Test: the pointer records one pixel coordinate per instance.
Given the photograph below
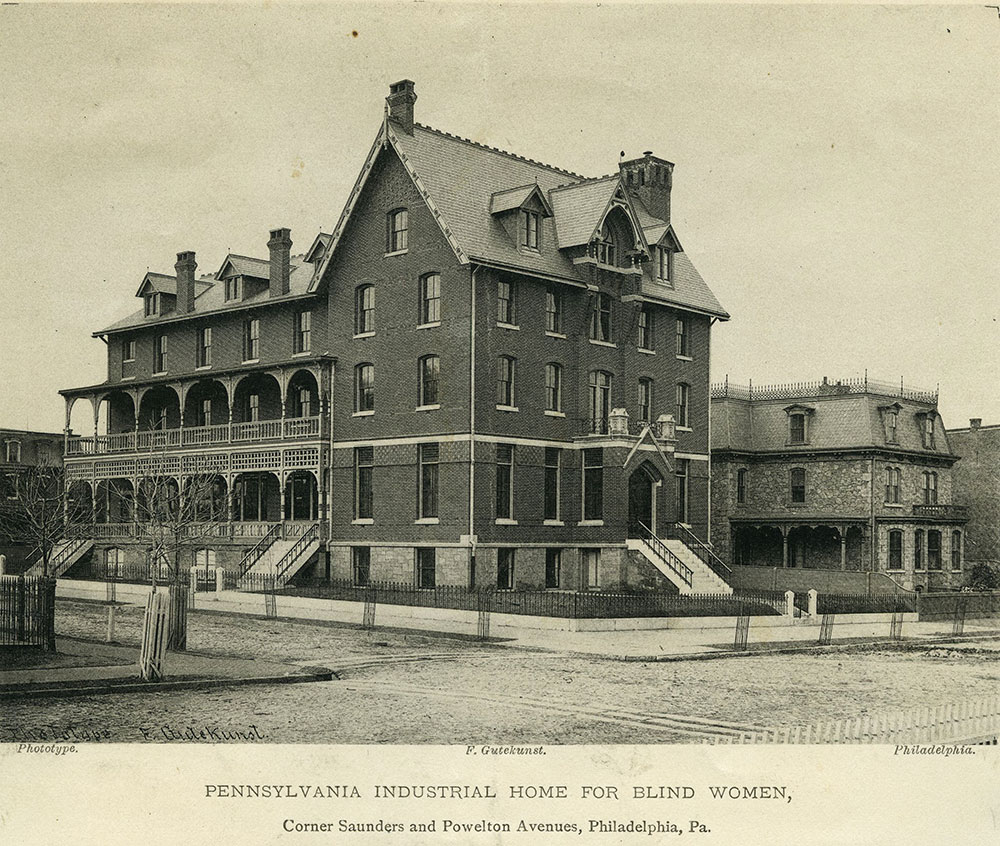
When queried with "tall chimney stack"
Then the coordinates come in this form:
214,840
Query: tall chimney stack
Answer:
185,268
650,178
975,422
400,101
280,245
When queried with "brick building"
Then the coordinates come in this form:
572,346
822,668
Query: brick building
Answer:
852,476
977,486
492,371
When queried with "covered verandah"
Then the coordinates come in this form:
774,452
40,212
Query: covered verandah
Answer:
822,543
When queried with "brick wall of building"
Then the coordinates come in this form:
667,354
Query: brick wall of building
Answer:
977,486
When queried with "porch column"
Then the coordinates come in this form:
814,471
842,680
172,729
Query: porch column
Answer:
784,546
281,491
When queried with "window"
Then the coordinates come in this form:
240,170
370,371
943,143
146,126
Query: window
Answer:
607,248
152,304
361,565
160,354
664,264
529,229
600,319
553,387
505,568
303,403
364,387
683,340
128,350
205,413
930,487
506,305
251,339
683,395
551,485
741,486
593,484
505,482
204,559
891,421
303,332
918,549
427,458
425,568
234,288
933,549
430,298
590,564
956,550
797,428
600,401
428,377
681,473
364,309
364,465
646,329
553,567
13,452
506,366
645,400
895,550
553,311
892,477
929,431
797,480
205,346
397,231
113,558
253,407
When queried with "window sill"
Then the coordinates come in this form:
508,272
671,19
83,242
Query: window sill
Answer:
646,351
597,343
684,357
251,361
433,407
363,413
505,521
426,521
549,413
591,523
501,325
159,373
127,379
553,523
507,408
430,325
797,504
363,335
302,354
893,505
684,429
396,253
549,334
363,521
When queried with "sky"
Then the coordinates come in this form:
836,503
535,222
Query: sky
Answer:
837,181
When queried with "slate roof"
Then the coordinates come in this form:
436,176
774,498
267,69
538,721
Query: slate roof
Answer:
579,208
246,266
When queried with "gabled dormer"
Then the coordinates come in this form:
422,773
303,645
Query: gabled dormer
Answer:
664,244
520,211
159,294
317,252
243,277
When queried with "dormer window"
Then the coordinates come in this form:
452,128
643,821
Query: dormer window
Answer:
152,304
891,423
929,431
607,247
234,288
798,423
13,452
664,265
530,223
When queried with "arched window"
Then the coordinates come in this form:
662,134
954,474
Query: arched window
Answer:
430,298
397,231
797,428
364,309
892,479
797,484
553,387
600,400
364,387
933,549
428,377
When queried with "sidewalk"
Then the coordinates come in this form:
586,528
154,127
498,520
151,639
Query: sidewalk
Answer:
81,667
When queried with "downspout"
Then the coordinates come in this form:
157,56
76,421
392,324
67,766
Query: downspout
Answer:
871,507
708,520
331,463
472,418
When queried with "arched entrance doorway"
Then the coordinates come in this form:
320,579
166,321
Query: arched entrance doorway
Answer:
642,485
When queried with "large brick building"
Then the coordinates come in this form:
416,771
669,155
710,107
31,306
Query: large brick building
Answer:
492,371
977,485
840,476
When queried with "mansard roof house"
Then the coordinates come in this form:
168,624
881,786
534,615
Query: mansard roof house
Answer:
491,372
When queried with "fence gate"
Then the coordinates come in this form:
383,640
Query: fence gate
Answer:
958,624
742,630
896,627
369,619
154,636
826,629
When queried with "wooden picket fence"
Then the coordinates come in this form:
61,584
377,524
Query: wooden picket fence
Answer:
154,636
972,721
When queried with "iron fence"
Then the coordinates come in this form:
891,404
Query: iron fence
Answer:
27,611
860,603
971,605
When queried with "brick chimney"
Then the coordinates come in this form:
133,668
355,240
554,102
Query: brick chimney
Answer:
400,101
185,268
650,179
975,422
280,245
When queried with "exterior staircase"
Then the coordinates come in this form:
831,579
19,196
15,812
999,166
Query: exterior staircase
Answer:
64,555
280,557
683,566
706,579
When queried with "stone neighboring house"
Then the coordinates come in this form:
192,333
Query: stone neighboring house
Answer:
492,371
977,485
849,476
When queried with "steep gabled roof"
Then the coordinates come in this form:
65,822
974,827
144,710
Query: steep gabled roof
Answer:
158,283
245,266
515,198
318,249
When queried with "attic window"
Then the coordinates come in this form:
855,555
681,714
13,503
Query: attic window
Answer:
234,288
607,248
530,221
665,265
798,423
891,421
152,304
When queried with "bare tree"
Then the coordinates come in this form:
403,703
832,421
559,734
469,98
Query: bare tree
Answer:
33,511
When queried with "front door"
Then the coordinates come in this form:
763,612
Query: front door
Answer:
640,503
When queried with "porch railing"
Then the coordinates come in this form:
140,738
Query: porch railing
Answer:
678,567
290,557
258,549
704,552
290,428
943,512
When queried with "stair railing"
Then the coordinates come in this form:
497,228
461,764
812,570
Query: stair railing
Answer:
703,551
258,549
288,559
683,572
